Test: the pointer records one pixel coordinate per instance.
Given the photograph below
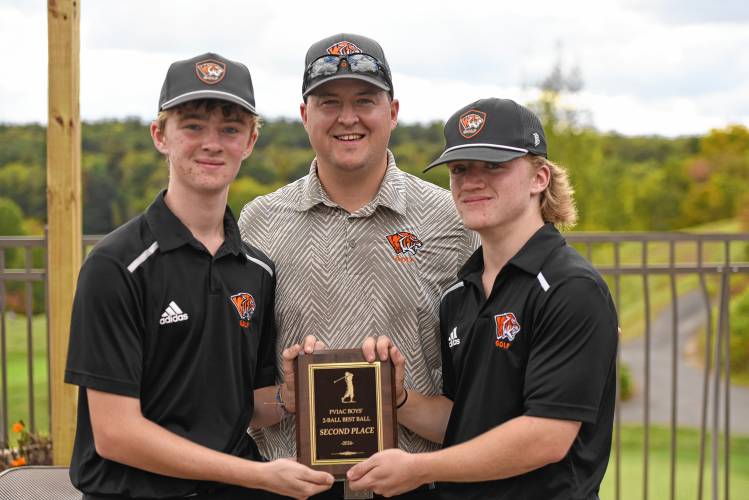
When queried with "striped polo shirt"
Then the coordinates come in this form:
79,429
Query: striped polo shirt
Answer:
344,276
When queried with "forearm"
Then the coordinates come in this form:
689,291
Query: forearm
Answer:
427,416
143,444
266,411
518,446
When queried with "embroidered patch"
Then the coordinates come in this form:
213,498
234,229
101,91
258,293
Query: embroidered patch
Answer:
471,123
507,328
405,245
343,48
210,71
245,304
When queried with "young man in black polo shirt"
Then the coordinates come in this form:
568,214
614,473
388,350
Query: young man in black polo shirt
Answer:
172,326
529,334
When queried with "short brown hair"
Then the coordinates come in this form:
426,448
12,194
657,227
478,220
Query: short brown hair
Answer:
229,109
558,199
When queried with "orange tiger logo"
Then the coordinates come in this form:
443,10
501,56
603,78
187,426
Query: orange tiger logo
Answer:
210,71
245,304
471,122
343,48
507,328
404,243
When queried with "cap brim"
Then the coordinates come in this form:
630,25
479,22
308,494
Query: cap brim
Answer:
351,76
477,153
208,94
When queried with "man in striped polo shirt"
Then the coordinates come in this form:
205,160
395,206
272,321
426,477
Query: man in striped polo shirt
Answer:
361,247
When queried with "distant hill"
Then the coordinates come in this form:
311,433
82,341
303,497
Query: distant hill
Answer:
621,183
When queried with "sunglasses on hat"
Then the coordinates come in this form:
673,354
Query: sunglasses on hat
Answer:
330,64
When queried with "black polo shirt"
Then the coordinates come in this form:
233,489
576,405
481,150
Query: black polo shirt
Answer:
156,317
543,344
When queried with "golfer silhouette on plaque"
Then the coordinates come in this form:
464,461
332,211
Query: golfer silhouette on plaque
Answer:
349,387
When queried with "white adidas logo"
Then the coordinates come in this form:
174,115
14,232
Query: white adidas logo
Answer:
452,339
172,314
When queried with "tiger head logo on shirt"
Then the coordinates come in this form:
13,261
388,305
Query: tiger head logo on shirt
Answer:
245,305
404,243
507,328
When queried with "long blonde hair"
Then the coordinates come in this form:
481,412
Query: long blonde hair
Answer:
558,199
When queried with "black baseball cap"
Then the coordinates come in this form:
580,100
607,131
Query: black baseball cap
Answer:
207,76
346,44
492,130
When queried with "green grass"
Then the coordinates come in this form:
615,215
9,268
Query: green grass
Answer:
631,436
687,466
17,370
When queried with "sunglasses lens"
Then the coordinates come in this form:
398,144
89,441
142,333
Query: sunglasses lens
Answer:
354,63
327,65
362,63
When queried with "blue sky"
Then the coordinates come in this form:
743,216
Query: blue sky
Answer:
666,67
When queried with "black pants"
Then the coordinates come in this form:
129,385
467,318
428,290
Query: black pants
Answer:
222,493
336,493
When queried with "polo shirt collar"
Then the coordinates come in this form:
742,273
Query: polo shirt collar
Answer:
536,250
171,233
391,194
531,256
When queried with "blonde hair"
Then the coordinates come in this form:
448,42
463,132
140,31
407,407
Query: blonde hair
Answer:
557,200
229,109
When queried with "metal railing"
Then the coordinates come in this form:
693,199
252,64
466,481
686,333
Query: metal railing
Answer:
618,256
25,275
716,343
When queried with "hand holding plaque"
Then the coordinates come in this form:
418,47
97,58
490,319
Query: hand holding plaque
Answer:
285,396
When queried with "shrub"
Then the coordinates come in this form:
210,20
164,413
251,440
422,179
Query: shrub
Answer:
32,449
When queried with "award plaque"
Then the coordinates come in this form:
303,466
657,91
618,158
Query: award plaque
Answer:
345,409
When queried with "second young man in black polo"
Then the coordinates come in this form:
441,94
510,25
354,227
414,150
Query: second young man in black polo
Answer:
529,334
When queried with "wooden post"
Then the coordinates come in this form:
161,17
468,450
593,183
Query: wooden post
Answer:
64,246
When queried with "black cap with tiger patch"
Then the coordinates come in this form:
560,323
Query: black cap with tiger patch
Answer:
492,130
207,76
347,44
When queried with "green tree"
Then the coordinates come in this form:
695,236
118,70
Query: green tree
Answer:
11,224
245,190
26,185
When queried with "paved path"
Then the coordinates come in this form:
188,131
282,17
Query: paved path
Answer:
691,318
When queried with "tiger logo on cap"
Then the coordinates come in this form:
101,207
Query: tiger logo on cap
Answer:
343,48
210,71
245,305
471,122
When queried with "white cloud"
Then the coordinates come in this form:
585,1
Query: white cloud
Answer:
646,68
694,11
23,89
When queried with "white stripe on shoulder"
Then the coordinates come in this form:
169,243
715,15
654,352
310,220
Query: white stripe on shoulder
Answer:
261,264
143,256
451,289
542,280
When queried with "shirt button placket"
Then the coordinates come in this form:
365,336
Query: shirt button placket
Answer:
350,243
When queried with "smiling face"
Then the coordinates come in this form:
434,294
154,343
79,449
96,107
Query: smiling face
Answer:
204,148
497,196
349,123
